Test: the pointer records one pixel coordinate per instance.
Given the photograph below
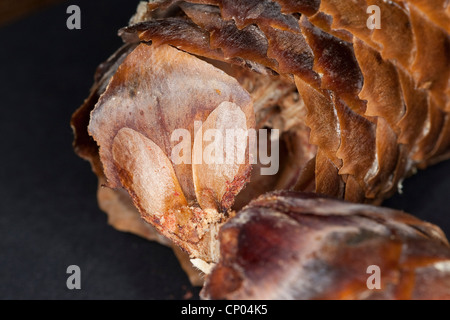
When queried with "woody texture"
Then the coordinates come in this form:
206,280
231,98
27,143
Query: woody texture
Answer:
357,109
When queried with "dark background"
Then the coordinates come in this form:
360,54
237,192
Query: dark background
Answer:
49,218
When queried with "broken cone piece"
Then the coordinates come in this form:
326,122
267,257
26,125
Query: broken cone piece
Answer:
288,245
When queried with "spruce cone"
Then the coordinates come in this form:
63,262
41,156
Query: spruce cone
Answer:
358,109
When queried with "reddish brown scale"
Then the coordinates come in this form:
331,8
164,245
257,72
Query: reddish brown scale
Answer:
395,36
195,41
288,51
248,43
357,142
436,11
435,120
260,12
442,149
307,180
321,118
327,176
300,246
408,29
324,22
354,191
351,16
307,7
181,33
387,153
335,60
416,101
382,89
402,169
167,4
431,66
293,54
163,5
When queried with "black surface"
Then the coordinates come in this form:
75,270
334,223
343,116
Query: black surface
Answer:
49,218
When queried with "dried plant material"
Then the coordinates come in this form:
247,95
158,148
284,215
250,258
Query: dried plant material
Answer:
263,12
361,76
220,172
348,111
307,7
138,98
300,246
133,125
350,16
